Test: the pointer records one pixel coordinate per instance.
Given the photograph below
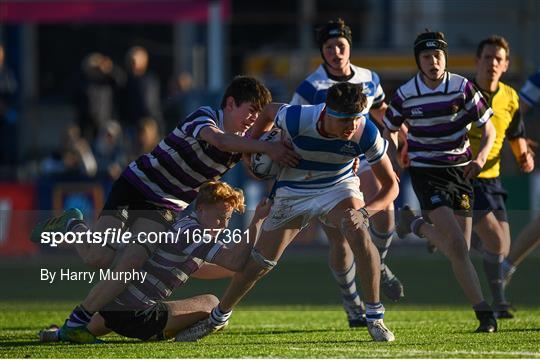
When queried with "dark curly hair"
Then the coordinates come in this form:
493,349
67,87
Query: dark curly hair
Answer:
346,98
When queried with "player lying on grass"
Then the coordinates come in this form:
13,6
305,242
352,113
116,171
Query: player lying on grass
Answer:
202,148
141,311
329,136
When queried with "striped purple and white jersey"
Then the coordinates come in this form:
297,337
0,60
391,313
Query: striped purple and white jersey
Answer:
169,267
172,173
438,119
530,92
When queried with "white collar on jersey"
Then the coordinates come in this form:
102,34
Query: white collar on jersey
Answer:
424,89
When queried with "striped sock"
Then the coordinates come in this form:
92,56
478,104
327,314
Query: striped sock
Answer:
415,226
219,317
79,317
382,241
374,311
351,299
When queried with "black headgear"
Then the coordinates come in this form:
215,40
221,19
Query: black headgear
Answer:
333,29
430,41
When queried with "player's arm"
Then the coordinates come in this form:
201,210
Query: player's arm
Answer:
393,121
524,107
393,124
521,152
211,272
392,151
378,113
389,186
375,150
474,168
235,257
233,143
515,133
266,119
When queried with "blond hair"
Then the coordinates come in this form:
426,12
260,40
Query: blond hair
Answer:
215,191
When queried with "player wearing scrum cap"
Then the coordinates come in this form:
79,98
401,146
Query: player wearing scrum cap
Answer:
439,107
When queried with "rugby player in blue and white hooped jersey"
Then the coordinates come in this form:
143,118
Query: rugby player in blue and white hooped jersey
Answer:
334,40
529,238
142,310
200,149
329,136
439,107
530,92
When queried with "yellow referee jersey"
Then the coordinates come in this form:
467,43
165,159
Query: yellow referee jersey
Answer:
507,122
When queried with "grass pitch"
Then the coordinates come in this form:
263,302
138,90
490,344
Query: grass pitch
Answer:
290,332
292,313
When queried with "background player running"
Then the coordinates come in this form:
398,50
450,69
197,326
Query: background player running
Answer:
438,108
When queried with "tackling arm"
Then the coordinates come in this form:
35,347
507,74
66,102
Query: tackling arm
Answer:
234,258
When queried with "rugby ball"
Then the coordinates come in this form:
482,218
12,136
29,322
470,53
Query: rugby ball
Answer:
261,165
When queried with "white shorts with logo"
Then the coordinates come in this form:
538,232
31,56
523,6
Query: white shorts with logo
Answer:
291,203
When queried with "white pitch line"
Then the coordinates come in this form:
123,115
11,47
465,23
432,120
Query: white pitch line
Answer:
416,352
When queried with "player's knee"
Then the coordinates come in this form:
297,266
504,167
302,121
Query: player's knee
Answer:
338,245
355,231
210,302
258,265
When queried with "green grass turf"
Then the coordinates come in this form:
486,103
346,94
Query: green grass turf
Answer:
293,312
290,332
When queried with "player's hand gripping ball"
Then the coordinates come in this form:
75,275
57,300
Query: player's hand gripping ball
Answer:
261,165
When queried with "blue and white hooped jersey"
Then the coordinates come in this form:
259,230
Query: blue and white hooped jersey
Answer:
530,92
325,161
313,89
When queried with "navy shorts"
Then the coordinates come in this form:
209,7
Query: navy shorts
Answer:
144,324
489,196
436,187
127,203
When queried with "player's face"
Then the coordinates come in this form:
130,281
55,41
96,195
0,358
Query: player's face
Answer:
214,216
492,63
243,115
336,52
343,128
432,64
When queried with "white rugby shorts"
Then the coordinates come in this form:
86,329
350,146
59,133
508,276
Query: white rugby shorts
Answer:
290,203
